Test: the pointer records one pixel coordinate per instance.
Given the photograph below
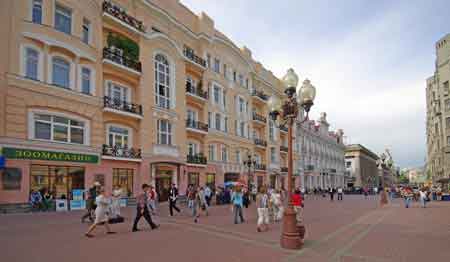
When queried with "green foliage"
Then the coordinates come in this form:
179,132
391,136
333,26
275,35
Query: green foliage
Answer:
403,178
129,47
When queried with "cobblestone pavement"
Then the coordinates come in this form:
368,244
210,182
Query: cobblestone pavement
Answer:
355,229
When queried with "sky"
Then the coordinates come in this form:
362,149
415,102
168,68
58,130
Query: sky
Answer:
368,60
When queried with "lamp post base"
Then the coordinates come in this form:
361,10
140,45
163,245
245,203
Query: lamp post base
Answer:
290,236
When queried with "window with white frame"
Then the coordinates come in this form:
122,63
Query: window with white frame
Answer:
117,92
242,128
86,33
58,128
192,83
225,124
225,71
164,132
218,120
241,80
241,105
119,136
212,152
273,157
63,19
36,13
86,80
208,60
193,149
191,115
217,65
31,63
162,81
209,120
61,72
216,94
271,130
238,156
224,153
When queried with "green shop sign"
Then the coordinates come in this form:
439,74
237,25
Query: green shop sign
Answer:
19,153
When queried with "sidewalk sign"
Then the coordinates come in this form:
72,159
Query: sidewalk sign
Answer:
61,205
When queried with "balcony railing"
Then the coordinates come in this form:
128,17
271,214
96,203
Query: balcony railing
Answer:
260,166
198,159
284,148
260,142
284,169
260,94
196,90
196,125
120,14
284,129
121,105
123,152
190,54
259,117
119,58
309,167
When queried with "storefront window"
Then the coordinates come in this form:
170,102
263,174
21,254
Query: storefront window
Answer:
11,178
59,180
193,179
123,178
211,180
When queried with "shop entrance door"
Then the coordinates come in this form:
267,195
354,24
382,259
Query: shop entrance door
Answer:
162,187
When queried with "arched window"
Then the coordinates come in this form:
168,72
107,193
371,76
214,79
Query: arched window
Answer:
61,72
162,81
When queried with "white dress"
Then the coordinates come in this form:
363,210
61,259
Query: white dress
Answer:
115,205
101,212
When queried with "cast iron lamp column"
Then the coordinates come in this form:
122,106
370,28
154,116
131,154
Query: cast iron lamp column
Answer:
288,112
250,163
381,162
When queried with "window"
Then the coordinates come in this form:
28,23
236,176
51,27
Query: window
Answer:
216,95
61,180
192,149
242,129
63,19
191,84
118,93
86,80
86,31
212,152
225,71
349,164
447,123
225,128
11,178
211,180
31,63
238,156
217,65
61,72
162,81
234,76
194,179
59,129
246,83
164,132
447,105
224,154
273,157
123,179
241,80
191,115
36,15
241,105
217,121
209,119
208,60
271,131
224,99
446,88
118,136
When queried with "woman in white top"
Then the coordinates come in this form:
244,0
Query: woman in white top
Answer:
101,213
423,197
277,204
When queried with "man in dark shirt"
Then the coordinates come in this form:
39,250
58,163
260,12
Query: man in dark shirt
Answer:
90,202
173,195
142,209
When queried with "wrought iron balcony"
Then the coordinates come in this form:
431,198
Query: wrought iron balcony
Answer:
260,142
123,152
258,117
284,169
196,125
190,54
196,90
260,94
121,105
284,148
284,129
260,166
198,159
120,14
116,57
309,168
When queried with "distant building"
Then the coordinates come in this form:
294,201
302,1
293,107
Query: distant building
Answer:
417,175
361,167
438,113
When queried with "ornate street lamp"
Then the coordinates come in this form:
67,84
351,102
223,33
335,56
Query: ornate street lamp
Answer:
249,163
382,163
286,113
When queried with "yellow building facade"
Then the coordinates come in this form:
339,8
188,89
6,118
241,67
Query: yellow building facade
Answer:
128,92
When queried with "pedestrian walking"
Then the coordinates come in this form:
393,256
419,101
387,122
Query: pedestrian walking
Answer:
90,202
115,202
173,196
297,203
262,207
366,192
142,209
340,192
407,194
200,204
423,197
237,199
101,213
246,199
208,195
36,201
332,191
277,205
152,199
191,193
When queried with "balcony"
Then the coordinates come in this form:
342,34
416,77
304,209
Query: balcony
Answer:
309,168
260,95
284,169
197,159
122,107
284,149
116,58
259,118
191,56
121,153
260,142
123,18
196,126
196,91
284,129
260,167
